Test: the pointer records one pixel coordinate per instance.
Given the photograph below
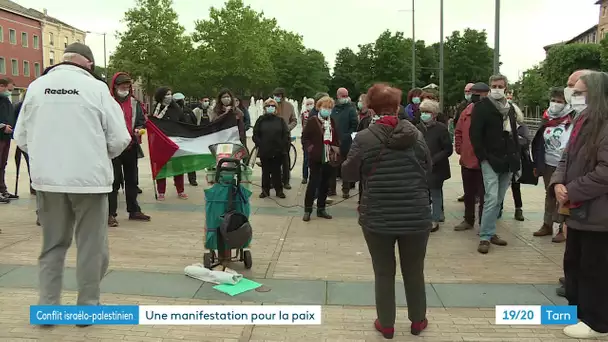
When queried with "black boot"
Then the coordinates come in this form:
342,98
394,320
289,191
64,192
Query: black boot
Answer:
322,213
306,217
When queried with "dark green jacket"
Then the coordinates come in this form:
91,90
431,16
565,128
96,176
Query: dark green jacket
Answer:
345,117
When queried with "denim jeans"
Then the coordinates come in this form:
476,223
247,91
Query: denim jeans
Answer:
496,185
437,203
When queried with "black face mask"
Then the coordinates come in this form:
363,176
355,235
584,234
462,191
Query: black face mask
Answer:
475,98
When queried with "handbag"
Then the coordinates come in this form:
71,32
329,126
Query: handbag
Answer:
526,166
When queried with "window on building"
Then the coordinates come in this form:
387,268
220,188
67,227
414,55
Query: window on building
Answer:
26,68
24,41
15,67
51,39
603,11
36,41
37,69
12,36
52,58
65,42
1,34
2,66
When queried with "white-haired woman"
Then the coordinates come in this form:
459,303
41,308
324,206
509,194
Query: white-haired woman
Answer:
439,142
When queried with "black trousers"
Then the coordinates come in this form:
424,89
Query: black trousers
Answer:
586,271
271,174
191,177
286,172
412,251
27,162
472,182
125,169
320,174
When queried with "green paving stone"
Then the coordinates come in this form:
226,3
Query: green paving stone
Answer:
149,284
362,293
27,277
4,269
302,292
489,295
549,292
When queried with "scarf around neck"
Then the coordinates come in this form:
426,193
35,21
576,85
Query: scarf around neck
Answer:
158,113
327,138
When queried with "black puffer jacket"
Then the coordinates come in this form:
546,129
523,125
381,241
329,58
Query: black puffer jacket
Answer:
393,165
271,136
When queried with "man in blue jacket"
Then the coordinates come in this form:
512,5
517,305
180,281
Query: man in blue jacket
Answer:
345,116
7,122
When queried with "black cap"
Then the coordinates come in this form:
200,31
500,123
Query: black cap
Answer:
320,95
480,87
122,79
82,50
279,91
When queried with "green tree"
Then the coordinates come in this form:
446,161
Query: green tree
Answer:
365,68
533,89
427,64
394,59
563,60
153,46
467,58
344,71
236,43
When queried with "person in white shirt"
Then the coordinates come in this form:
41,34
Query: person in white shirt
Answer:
72,128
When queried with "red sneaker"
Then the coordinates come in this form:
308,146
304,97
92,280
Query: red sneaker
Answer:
417,327
387,333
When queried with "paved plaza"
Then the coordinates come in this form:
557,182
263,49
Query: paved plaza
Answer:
317,263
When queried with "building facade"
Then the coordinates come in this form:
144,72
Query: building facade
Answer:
20,47
56,36
593,35
602,27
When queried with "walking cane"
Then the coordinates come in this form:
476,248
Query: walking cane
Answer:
18,154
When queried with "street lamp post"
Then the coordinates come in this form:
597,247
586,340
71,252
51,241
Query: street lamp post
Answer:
441,84
105,61
413,10
497,37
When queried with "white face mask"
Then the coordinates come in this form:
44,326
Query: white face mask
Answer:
309,107
122,93
579,103
167,100
497,94
568,94
555,109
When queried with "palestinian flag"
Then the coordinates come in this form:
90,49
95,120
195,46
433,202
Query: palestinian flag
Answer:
177,148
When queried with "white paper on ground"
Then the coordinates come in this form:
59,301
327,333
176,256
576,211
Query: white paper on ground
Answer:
198,271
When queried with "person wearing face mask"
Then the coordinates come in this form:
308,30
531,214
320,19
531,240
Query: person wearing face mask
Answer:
439,143
125,165
167,109
468,94
190,118
412,110
271,136
201,112
226,105
344,115
246,117
580,184
472,180
288,113
304,116
393,163
320,138
71,169
7,122
548,146
495,142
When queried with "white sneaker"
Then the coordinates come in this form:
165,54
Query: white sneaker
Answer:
582,330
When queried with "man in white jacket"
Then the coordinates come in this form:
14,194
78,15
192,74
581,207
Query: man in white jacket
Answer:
72,128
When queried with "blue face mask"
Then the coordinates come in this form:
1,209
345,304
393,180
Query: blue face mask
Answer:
416,100
271,110
360,105
343,101
325,113
426,117
7,93
278,99
467,97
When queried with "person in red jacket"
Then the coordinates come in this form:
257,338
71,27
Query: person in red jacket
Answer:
472,180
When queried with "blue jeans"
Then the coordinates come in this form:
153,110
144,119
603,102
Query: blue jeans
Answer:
437,203
496,185
305,164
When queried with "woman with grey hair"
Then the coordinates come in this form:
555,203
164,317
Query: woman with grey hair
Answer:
580,184
438,140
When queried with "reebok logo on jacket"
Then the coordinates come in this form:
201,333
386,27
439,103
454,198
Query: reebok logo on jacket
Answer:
61,91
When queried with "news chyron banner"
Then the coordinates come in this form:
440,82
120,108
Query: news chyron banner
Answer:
175,315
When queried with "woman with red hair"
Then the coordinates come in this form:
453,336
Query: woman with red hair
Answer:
392,161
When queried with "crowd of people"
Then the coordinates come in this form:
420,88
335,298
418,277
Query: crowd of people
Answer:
398,154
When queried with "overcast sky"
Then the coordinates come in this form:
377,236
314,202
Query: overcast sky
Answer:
328,26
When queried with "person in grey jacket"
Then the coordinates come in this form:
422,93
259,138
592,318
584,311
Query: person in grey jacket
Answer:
392,161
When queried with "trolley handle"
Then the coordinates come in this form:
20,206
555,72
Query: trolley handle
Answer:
234,161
